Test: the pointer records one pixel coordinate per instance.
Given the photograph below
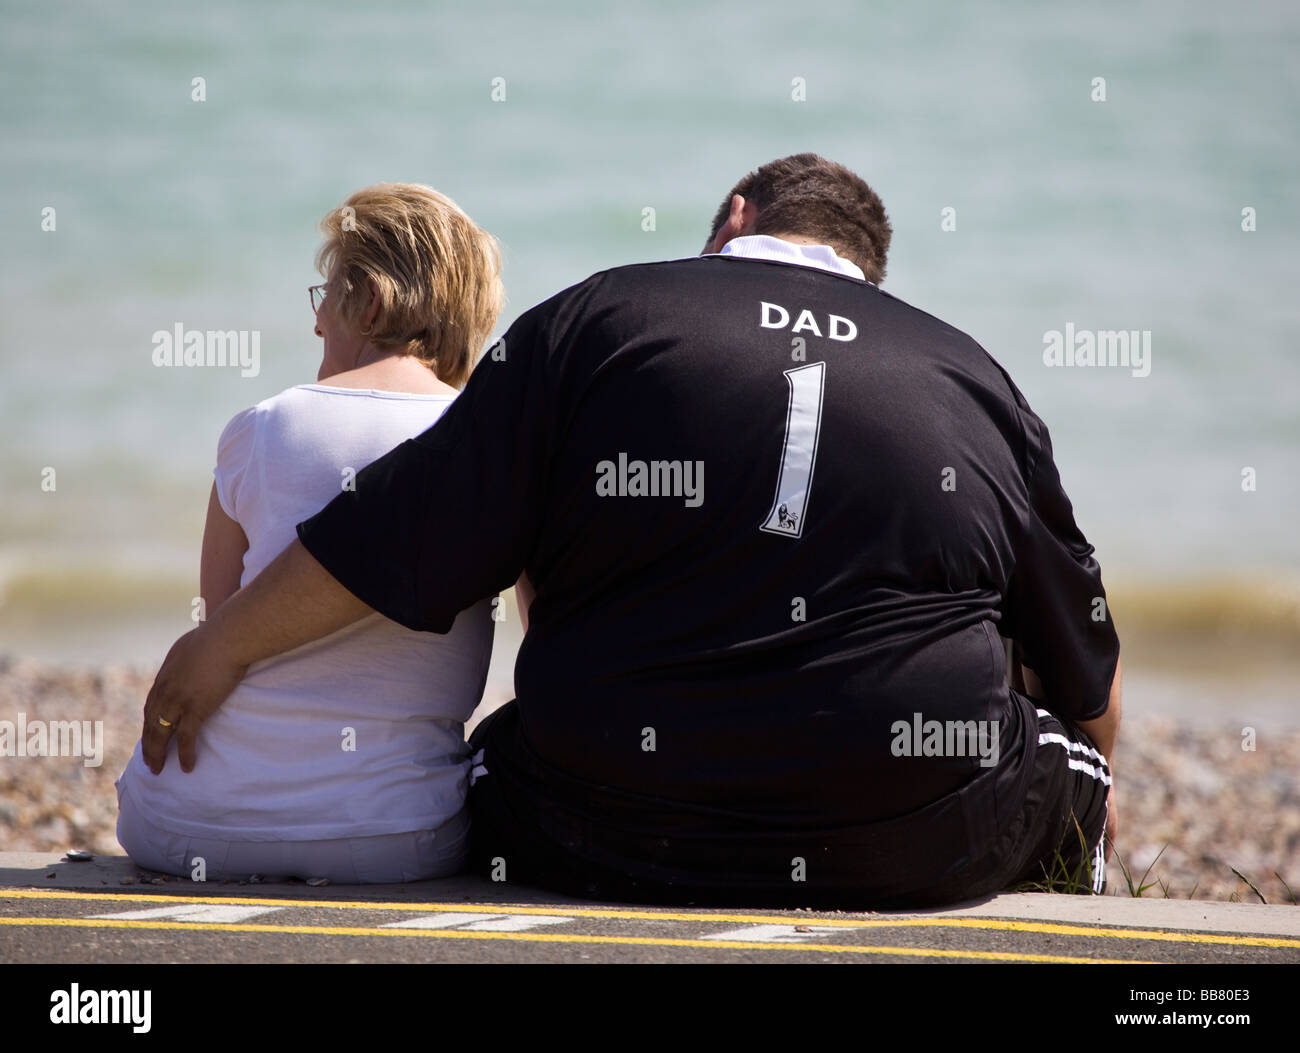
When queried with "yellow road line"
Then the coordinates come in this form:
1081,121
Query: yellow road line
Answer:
539,937
471,908
1162,935
992,924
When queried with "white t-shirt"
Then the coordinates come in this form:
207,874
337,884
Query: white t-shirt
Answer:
360,733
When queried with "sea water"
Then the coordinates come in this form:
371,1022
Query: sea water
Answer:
1097,169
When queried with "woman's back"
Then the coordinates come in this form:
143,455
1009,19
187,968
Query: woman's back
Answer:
357,734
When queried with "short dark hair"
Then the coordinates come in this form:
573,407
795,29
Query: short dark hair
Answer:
807,194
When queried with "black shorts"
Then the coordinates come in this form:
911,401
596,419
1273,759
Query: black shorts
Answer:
535,825
1065,811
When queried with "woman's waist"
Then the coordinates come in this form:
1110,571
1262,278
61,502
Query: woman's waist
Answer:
215,801
314,687
256,728
374,667
346,774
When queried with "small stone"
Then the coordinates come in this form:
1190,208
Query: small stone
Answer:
254,879
317,882
50,874
128,880
158,881
78,856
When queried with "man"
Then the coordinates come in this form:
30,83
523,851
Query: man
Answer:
777,522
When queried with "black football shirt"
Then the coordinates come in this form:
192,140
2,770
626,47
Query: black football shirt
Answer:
770,511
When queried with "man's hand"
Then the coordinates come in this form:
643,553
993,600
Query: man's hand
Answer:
194,680
292,602
1104,731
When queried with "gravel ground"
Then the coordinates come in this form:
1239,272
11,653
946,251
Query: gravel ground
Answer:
1192,791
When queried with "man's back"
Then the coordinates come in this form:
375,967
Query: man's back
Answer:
770,512
769,654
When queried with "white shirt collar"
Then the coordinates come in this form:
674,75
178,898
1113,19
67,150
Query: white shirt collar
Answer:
766,247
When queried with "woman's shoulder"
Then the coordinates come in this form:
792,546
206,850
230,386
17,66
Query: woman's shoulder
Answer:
360,391
288,404
318,398
240,428
319,411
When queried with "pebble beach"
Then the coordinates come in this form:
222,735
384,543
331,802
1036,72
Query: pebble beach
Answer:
1205,799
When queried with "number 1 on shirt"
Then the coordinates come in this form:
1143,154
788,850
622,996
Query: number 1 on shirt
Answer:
803,425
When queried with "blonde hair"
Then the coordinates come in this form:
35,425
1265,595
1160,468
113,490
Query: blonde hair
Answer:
437,273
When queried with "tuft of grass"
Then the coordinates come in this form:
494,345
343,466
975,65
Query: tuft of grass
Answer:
1062,878
1142,885
1250,883
1289,894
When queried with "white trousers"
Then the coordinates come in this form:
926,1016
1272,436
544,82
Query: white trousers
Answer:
385,859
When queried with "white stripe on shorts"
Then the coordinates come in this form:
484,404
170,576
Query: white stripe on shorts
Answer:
1078,747
1099,858
1101,772
1088,769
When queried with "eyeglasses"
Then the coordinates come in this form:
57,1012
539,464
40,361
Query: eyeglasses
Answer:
317,294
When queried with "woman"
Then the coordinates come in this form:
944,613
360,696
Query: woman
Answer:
344,759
